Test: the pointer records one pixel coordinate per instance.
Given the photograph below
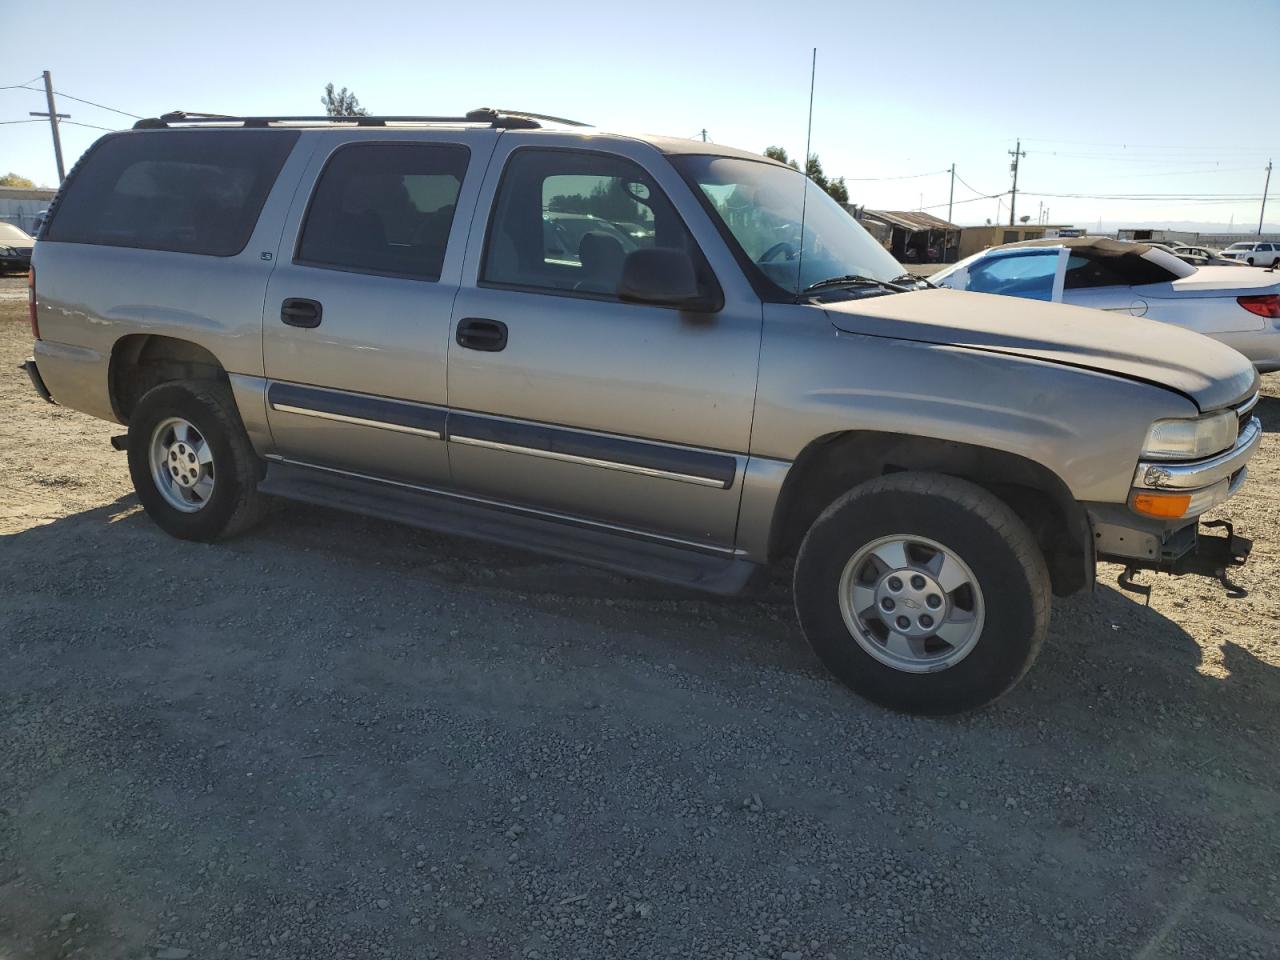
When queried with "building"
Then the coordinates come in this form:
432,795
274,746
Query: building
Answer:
1157,236
19,205
912,236
976,239
1215,240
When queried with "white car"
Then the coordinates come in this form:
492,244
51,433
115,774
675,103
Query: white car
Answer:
1241,308
1256,253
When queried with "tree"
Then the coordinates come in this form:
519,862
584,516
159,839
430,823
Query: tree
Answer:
780,154
13,180
343,103
836,188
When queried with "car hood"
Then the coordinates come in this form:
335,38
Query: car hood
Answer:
1210,373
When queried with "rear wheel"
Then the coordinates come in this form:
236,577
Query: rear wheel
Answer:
923,593
192,465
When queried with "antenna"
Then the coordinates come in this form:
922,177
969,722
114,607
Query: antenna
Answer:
804,200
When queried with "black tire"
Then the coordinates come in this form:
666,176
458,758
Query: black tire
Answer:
983,532
234,504
1250,261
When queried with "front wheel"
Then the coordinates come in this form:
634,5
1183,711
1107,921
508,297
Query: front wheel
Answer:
923,593
192,465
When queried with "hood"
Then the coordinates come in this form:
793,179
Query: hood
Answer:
1214,281
1210,373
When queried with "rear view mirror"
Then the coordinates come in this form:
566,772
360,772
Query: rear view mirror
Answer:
664,277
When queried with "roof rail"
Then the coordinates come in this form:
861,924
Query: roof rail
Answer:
500,119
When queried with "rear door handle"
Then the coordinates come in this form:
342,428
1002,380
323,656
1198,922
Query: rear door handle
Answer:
476,333
297,312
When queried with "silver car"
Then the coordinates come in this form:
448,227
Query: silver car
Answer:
379,314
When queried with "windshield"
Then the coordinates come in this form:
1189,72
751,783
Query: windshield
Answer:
1241,246
11,234
760,203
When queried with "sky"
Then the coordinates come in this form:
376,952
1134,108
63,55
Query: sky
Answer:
1172,101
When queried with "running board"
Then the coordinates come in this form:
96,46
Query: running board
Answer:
622,552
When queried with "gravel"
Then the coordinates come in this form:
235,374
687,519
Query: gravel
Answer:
335,737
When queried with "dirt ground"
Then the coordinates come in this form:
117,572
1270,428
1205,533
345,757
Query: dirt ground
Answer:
336,737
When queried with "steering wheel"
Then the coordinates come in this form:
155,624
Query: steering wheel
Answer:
782,246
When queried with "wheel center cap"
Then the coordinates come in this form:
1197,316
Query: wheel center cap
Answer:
911,602
182,464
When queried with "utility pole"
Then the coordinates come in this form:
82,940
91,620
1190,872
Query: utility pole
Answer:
704,134
54,116
952,195
1265,187
1017,153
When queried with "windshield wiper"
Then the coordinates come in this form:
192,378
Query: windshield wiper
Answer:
854,279
916,278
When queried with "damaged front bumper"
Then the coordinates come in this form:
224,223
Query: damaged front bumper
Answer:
1188,547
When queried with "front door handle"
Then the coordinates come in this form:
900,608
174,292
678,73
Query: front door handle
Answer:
476,333
297,312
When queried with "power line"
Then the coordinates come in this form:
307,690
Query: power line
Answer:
32,120
984,196
1125,146
100,106
91,126
1147,196
935,206
905,176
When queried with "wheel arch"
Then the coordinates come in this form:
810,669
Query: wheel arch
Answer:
836,462
140,361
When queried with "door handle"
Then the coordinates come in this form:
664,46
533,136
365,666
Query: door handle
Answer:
476,333
297,312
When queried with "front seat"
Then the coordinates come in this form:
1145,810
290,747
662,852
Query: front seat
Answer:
601,257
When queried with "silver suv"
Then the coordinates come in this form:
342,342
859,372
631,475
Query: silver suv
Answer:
665,357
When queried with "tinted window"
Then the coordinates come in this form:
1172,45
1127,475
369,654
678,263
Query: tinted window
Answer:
188,191
385,208
566,221
1085,272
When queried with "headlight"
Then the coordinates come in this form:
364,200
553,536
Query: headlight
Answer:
8,251
1191,439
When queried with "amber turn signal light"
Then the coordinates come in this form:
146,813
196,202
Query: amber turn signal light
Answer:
1164,506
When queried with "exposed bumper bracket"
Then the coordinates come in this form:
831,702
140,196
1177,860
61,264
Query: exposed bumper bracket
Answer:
1211,556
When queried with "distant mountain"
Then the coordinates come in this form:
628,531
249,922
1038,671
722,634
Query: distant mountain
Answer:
1189,226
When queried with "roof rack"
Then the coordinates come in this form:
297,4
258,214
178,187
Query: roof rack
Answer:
500,119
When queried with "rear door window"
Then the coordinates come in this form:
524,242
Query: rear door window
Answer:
385,208
185,191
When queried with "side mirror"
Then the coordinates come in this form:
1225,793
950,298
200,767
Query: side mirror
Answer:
664,277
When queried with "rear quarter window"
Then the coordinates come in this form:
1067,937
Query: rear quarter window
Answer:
185,191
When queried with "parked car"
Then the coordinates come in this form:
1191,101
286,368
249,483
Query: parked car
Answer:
15,248
1241,308
937,462
1254,253
1203,256
1196,256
